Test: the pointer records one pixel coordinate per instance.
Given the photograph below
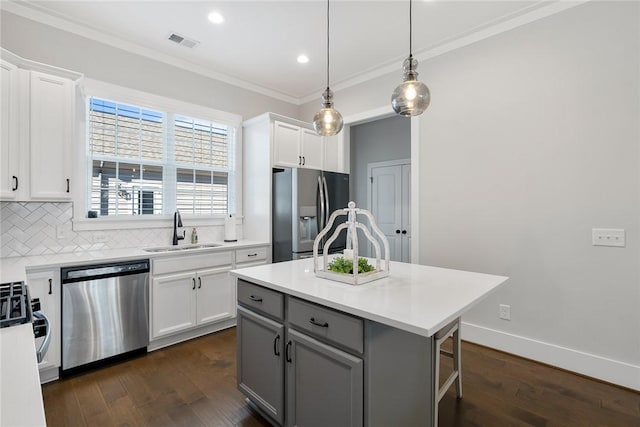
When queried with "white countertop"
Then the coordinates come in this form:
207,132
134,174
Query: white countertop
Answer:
14,269
20,393
415,298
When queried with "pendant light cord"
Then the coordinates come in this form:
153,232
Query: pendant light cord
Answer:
410,35
327,44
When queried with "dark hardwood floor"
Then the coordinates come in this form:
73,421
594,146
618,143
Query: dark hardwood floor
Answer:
193,384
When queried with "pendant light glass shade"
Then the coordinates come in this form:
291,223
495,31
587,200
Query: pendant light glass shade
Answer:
328,121
411,97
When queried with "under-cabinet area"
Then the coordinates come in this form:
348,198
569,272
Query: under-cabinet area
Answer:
301,363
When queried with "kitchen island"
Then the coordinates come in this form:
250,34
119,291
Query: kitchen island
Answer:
317,352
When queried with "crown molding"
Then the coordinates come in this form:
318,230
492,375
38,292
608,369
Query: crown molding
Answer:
497,26
45,16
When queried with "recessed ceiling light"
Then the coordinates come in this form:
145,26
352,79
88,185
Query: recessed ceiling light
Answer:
302,59
216,18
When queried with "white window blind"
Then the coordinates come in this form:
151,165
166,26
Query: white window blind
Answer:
142,161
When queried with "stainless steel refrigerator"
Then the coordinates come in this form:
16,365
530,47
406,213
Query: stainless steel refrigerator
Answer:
303,200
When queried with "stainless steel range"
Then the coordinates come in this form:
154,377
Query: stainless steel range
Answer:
17,308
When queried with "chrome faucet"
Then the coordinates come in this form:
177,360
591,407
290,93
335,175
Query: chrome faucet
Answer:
177,222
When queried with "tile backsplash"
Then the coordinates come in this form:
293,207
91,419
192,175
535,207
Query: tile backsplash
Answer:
32,228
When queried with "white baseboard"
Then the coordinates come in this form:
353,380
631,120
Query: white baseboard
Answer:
609,370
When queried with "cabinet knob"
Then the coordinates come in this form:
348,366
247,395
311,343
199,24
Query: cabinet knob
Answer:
404,231
397,231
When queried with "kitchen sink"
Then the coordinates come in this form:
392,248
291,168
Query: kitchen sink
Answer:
182,248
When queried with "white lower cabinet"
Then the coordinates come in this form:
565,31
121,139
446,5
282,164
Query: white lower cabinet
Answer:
45,285
184,300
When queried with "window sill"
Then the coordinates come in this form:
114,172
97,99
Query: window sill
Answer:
93,224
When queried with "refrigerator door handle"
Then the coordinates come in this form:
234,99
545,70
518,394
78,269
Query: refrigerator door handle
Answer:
326,195
320,215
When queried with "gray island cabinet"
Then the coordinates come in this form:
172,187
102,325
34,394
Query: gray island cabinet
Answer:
312,352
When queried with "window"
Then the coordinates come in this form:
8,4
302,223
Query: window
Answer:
146,161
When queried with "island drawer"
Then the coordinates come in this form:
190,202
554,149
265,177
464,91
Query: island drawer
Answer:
327,323
251,255
261,299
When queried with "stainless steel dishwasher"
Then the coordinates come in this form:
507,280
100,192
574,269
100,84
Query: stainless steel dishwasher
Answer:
105,312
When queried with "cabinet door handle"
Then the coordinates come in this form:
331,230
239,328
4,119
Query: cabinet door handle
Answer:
254,298
67,185
194,283
404,231
299,160
315,322
252,255
287,349
276,341
397,231
50,286
199,282
15,183
304,160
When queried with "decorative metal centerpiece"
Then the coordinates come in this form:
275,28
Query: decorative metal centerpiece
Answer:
349,268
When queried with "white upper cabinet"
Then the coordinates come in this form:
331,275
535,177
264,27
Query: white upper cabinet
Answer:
312,149
9,144
51,136
296,147
38,105
336,153
286,145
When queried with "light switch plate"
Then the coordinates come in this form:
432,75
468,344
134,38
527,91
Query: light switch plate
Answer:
608,237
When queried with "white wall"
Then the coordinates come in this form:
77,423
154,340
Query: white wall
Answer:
42,43
531,140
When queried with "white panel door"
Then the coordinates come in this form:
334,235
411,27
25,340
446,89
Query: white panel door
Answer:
286,145
216,298
9,143
405,231
386,206
51,136
391,206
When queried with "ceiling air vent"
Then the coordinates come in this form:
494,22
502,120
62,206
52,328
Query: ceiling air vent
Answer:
183,41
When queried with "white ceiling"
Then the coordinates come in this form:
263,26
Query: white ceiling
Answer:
260,40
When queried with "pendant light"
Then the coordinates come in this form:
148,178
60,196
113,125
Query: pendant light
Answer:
411,97
327,121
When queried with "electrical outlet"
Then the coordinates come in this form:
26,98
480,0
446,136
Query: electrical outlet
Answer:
607,237
505,312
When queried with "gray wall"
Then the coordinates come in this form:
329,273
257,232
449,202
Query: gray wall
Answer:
531,140
377,141
42,43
